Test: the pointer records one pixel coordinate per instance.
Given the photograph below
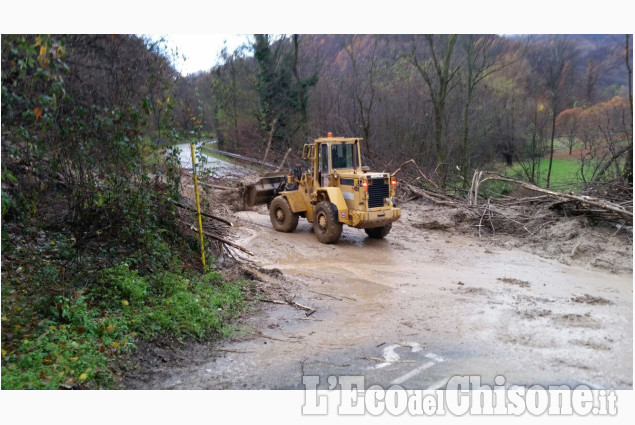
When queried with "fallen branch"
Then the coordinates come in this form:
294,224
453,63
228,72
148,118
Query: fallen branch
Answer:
430,196
273,301
222,220
215,186
272,338
331,296
373,359
588,200
310,310
223,240
510,219
418,169
480,222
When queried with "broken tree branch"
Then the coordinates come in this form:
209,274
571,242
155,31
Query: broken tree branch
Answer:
310,310
418,169
331,296
435,199
223,240
588,200
222,220
274,339
480,222
214,186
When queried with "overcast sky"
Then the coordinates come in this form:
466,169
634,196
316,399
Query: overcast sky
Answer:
199,28
200,52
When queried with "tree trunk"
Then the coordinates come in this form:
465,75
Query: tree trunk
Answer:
466,130
508,158
553,134
628,167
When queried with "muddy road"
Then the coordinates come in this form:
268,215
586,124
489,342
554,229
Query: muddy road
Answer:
414,309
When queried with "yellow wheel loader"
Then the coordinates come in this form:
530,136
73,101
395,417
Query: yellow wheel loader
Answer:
336,190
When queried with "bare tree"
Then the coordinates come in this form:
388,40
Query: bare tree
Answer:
302,100
437,73
553,62
364,72
568,125
482,59
605,129
629,134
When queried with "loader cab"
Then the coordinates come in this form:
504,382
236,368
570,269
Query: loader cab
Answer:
324,167
345,155
330,155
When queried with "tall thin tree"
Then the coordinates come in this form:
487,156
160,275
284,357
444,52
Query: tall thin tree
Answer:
437,73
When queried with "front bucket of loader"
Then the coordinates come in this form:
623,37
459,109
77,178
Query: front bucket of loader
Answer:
265,189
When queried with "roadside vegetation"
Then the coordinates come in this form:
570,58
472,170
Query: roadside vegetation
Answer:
58,341
93,259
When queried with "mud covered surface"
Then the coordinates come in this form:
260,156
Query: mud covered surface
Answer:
430,301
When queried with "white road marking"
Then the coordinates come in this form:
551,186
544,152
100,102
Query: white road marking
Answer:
415,346
389,355
414,372
433,356
437,385
592,385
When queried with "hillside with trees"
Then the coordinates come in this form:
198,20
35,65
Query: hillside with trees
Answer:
453,103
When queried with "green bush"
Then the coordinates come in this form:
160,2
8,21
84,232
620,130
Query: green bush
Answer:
125,284
75,344
59,356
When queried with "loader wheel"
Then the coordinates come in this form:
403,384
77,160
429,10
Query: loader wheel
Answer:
326,226
282,218
379,232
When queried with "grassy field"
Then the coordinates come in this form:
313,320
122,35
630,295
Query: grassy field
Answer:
565,176
565,173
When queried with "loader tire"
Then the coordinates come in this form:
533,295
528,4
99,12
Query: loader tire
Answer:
379,232
326,226
282,218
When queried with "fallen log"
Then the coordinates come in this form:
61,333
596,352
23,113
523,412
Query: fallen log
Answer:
435,199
